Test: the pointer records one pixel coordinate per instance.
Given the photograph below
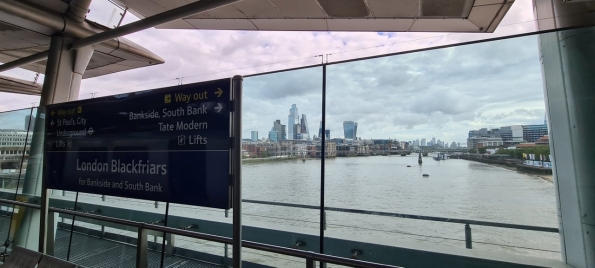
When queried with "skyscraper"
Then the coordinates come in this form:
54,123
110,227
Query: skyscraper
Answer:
433,141
304,131
280,128
327,132
273,136
423,142
254,135
350,129
292,120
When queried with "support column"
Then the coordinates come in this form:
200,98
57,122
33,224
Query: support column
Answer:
568,65
62,80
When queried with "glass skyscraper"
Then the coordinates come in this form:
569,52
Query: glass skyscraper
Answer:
280,128
350,129
292,120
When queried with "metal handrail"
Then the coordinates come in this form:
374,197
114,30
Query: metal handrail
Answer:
310,257
411,216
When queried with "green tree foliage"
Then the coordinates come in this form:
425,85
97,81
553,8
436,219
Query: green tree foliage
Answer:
472,151
518,153
482,150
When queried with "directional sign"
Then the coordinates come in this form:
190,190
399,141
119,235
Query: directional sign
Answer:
170,144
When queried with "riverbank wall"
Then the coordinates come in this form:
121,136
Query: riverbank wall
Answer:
269,159
510,165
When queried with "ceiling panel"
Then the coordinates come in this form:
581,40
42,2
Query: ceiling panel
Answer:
290,25
299,9
482,16
499,17
101,59
259,9
488,2
450,12
443,25
223,24
226,12
394,8
345,8
394,25
442,8
169,4
176,24
145,8
16,38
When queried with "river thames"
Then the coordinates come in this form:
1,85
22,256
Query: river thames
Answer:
455,188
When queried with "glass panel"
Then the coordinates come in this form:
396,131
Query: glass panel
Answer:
382,112
105,13
281,170
204,220
94,244
115,243
15,145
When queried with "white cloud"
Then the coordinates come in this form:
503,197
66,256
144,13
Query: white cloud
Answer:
441,92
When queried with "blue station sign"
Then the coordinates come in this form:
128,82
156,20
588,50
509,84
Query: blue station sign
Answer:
169,144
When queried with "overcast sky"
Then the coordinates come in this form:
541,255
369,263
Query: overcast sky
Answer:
438,93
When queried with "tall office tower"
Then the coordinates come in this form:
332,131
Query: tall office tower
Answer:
423,142
327,132
274,136
350,130
305,131
254,135
292,120
280,128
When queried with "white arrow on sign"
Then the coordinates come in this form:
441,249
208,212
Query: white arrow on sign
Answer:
90,131
52,123
218,108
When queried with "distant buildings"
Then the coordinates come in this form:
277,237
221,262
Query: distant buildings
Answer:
532,133
507,135
254,135
350,130
423,142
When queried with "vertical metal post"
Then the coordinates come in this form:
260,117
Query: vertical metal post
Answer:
468,241
51,231
141,249
225,252
236,158
47,94
310,263
170,251
322,161
76,200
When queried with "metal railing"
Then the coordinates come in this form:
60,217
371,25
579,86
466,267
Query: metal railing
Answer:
141,247
467,223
